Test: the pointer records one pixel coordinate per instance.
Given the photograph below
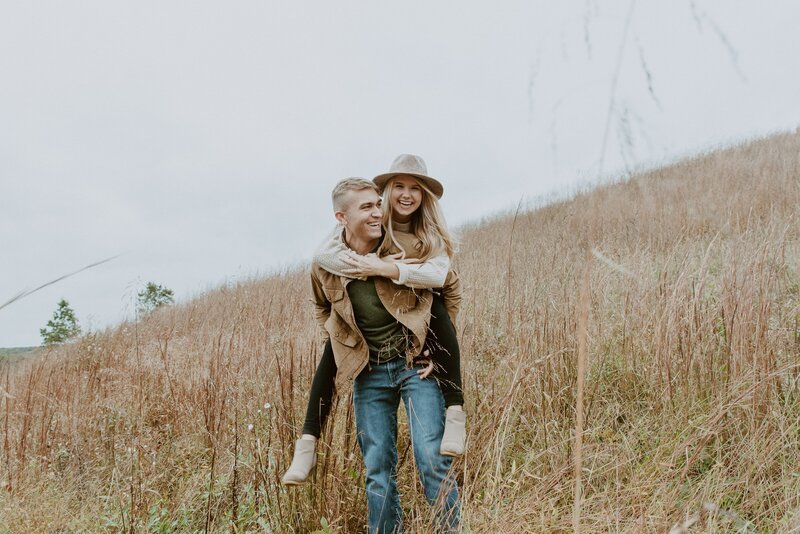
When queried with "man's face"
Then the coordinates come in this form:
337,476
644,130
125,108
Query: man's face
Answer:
362,214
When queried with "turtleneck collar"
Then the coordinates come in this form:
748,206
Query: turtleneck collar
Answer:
402,227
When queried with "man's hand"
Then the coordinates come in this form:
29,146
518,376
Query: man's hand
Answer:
428,369
370,265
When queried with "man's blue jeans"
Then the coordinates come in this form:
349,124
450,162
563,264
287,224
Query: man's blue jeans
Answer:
376,396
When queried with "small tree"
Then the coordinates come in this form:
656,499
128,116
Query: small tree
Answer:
62,327
153,296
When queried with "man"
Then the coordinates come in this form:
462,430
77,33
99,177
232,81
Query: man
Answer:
377,328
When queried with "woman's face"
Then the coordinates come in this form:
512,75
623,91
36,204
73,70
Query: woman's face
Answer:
405,197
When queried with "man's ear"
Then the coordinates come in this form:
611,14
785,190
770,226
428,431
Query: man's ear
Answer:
340,217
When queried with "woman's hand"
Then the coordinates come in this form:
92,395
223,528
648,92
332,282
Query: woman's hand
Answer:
370,265
398,258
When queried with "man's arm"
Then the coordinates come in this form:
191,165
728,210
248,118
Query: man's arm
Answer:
322,306
451,293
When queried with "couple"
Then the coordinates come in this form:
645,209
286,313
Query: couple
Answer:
387,300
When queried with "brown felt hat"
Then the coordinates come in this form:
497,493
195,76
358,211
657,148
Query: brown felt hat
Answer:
412,166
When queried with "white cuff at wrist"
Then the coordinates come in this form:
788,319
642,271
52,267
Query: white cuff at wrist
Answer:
403,269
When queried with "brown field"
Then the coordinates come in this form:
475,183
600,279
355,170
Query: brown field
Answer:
692,406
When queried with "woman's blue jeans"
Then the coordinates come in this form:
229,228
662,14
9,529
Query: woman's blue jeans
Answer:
376,396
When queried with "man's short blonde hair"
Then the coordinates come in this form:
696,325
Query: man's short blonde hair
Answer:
349,184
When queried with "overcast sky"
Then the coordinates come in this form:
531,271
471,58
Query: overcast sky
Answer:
199,140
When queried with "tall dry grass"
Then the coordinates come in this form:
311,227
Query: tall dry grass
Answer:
185,420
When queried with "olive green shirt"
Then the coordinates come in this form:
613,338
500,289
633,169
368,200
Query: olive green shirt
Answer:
386,338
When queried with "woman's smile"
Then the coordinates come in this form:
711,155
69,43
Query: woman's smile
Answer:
406,196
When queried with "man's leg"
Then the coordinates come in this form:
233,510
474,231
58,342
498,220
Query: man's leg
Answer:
425,408
375,399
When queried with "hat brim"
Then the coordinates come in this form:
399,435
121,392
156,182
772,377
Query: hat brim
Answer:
433,184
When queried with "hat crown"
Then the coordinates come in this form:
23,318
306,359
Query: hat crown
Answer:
409,164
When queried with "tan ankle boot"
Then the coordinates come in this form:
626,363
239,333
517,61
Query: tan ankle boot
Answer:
455,432
302,462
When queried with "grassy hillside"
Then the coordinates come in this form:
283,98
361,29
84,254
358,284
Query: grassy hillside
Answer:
186,420
16,352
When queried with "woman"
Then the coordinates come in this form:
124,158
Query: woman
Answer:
411,215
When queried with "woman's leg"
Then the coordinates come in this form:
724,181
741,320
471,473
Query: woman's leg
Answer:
445,353
319,405
443,345
321,396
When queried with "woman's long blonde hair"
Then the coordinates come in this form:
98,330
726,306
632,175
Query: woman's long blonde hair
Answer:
427,224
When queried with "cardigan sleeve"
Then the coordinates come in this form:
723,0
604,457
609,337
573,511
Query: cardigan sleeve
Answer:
331,252
427,275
